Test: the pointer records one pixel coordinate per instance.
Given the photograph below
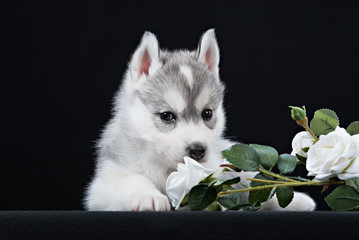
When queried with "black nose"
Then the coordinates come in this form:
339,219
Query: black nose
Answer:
196,151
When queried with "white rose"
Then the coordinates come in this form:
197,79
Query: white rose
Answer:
300,141
352,170
335,154
179,183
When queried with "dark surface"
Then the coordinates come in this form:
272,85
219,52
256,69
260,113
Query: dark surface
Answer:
63,62
177,225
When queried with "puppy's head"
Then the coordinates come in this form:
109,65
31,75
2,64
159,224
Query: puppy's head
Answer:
177,99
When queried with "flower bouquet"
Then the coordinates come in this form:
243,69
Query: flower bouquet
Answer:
330,155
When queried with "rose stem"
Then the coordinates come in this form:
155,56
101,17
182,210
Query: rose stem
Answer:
277,175
304,124
289,184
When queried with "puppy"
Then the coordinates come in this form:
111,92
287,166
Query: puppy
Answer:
170,105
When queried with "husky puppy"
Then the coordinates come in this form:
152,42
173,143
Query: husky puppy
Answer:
169,106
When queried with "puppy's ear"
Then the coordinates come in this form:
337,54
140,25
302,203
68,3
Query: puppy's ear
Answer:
208,51
146,59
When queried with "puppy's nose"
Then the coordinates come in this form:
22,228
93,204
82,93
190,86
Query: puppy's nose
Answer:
196,151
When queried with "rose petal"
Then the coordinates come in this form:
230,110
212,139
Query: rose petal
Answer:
331,155
179,183
301,140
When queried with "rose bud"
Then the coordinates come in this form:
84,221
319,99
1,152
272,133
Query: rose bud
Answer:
298,114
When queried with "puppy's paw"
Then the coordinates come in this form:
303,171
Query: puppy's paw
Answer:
301,202
151,202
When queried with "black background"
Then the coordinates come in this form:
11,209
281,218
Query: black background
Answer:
63,62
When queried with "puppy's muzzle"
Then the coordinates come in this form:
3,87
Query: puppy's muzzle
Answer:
196,151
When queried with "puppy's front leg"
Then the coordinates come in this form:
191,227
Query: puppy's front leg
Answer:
144,196
112,190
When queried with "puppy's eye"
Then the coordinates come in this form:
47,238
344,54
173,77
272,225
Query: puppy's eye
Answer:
207,114
168,117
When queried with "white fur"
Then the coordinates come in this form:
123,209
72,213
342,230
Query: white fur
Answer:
203,98
187,72
175,100
135,158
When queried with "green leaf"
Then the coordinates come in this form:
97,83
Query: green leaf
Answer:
324,122
231,201
214,207
284,195
353,182
201,196
287,163
227,181
184,201
272,192
257,205
243,157
224,183
343,198
353,128
208,179
260,195
301,158
305,149
268,156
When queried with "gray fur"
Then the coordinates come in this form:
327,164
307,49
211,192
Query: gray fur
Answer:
169,77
